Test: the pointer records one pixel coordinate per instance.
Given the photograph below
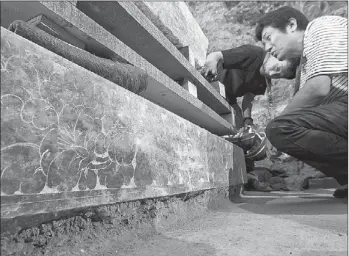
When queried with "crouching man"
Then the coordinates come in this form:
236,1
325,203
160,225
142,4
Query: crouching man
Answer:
314,126
244,71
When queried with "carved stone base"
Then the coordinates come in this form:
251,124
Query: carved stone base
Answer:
72,139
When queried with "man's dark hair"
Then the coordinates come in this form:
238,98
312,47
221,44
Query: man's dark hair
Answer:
279,19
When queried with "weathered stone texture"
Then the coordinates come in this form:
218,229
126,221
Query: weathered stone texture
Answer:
70,139
177,23
119,18
161,89
45,233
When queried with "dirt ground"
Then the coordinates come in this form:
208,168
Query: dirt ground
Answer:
291,225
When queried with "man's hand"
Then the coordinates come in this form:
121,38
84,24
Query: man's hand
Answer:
248,121
209,70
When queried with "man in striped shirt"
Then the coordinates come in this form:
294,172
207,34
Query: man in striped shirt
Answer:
314,125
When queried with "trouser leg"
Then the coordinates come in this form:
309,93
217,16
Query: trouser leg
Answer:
317,136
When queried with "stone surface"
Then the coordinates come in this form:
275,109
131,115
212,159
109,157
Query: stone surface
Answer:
296,224
219,87
120,218
187,32
230,118
188,54
190,87
315,183
123,74
71,139
293,171
161,89
119,18
45,24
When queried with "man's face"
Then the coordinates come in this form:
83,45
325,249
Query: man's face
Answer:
277,42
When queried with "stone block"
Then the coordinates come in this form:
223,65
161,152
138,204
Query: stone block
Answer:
316,183
119,18
185,83
229,118
73,2
188,54
72,139
219,87
190,87
187,32
47,25
161,89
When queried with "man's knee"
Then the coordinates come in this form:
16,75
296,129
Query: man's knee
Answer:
277,132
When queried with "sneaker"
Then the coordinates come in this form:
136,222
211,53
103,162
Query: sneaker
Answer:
341,192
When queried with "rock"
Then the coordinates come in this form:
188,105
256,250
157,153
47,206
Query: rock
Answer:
261,179
294,171
187,32
278,183
263,174
314,183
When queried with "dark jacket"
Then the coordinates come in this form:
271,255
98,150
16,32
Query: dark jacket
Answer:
239,71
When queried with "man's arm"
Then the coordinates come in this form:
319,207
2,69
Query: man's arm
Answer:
312,94
242,57
325,54
212,60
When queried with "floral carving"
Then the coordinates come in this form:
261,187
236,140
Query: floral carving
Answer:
56,134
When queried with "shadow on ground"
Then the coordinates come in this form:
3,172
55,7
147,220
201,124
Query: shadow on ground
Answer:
297,206
327,214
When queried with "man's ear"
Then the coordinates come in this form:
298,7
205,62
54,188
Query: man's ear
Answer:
292,25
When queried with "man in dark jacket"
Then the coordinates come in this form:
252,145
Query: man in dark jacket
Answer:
239,69
244,71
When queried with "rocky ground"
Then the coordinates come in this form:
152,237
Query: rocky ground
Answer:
313,224
293,173
103,229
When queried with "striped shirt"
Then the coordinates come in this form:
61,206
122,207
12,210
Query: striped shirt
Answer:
325,52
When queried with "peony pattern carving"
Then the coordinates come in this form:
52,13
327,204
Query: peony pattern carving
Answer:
52,142
66,130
